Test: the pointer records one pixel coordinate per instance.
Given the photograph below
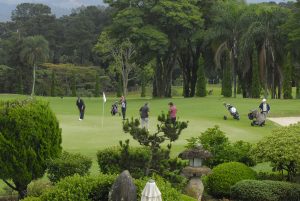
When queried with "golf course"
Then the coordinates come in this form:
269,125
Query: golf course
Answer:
89,136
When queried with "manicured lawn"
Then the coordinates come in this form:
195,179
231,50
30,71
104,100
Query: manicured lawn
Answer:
88,136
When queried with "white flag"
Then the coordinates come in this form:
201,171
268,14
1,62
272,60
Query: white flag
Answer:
104,98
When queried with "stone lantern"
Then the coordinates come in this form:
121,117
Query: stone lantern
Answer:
195,170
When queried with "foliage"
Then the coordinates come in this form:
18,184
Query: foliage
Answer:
215,141
252,190
114,160
166,130
187,198
281,149
287,81
38,187
80,188
201,81
35,50
31,199
227,80
226,175
30,135
67,165
255,83
53,85
97,86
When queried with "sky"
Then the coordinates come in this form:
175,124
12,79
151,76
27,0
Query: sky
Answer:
64,7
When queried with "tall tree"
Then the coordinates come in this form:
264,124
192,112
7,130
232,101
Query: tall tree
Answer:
270,41
156,39
201,80
287,81
122,52
35,50
229,21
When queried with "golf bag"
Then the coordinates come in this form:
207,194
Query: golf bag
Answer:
258,119
233,112
114,109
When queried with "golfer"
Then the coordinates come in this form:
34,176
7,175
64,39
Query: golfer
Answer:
81,107
264,107
172,112
144,113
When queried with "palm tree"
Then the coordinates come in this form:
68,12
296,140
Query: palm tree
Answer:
35,50
270,42
228,26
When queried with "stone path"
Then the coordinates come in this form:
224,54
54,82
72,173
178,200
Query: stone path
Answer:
285,121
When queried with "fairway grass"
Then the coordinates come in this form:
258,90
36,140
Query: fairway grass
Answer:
88,136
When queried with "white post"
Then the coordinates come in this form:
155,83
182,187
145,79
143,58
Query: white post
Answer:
103,112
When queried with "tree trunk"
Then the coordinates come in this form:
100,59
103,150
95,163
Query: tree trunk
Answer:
235,66
33,81
195,67
163,76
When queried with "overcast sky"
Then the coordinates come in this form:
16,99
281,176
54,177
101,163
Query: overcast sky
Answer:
77,3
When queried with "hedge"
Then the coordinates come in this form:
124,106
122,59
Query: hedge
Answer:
226,175
67,165
254,190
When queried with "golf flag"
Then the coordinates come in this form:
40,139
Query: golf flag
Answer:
104,98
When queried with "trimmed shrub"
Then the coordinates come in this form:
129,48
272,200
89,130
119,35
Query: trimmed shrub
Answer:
31,199
67,165
115,160
80,188
30,135
226,175
253,190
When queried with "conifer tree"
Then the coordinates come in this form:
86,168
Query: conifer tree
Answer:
97,86
201,81
227,80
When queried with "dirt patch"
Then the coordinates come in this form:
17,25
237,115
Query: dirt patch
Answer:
285,121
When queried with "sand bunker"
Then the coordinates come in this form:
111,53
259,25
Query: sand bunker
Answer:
285,121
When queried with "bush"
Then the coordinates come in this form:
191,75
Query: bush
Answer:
215,141
31,199
115,160
67,165
253,190
38,187
80,188
226,175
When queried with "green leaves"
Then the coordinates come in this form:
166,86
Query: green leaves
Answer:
281,149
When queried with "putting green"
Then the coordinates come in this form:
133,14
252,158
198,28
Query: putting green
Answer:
89,136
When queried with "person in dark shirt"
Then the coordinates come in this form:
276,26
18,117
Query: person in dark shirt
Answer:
81,107
144,113
123,106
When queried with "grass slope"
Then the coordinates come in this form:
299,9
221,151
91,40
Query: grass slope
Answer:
88,136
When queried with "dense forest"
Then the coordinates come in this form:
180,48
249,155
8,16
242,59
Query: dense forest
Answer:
251,49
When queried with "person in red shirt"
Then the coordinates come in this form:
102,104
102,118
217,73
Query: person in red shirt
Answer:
172,112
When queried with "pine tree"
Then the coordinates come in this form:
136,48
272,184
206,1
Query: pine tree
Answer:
201,81
255,83
287,81
227,80
97,86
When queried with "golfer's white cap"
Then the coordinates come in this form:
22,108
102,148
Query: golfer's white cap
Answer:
264,100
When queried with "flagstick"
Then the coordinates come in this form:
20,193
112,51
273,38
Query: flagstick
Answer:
103,113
